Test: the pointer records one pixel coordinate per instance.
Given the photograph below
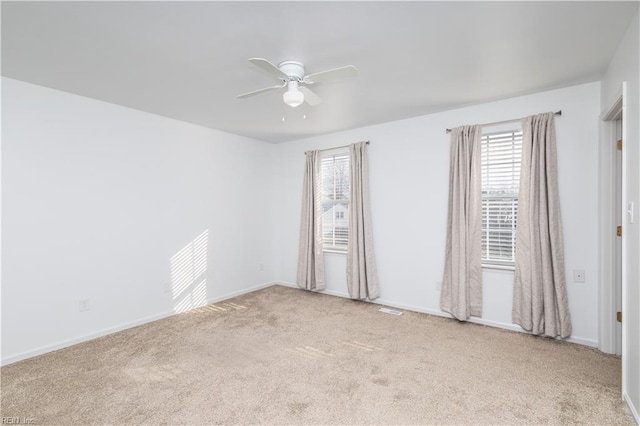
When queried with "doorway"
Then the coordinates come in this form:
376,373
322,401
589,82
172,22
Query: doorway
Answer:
612,251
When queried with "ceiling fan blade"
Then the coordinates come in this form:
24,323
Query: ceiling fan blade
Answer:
267,66
348,71
257,92
310,97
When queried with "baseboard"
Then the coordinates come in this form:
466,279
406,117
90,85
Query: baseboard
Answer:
241,292
632,408
286,284
110,330
124,326
84,338
582,341
475,320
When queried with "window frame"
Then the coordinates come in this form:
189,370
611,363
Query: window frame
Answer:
515,131
342,154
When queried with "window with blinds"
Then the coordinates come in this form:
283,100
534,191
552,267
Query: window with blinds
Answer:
501,158
334,193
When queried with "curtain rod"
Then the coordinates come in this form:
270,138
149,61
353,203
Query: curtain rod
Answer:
506,121
335,147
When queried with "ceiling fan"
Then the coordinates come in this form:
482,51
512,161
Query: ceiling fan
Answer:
291,75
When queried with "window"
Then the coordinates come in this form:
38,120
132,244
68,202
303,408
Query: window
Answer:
334,193
501,157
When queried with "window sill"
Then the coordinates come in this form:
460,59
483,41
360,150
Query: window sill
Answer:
499,267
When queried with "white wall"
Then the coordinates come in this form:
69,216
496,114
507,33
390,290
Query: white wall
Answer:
624,68
98,199
409,166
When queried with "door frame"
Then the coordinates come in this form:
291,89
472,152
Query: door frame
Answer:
607,224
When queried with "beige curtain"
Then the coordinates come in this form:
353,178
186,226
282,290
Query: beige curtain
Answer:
540,302
362,277
461,293
310,256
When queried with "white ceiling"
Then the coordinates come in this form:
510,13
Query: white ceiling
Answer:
188,60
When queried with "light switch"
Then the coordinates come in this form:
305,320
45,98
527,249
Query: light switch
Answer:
578,275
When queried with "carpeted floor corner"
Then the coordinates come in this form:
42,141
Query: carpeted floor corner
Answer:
286,356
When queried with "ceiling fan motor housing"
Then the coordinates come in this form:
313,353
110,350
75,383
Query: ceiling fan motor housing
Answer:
294,69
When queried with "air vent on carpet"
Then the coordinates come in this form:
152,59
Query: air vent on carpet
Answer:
390,311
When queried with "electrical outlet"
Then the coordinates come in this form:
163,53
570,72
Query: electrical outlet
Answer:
261,267
578,275
438,285
85,305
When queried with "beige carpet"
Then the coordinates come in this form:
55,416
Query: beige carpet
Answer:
285,356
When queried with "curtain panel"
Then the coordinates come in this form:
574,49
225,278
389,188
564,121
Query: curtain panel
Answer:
362,276
310,255
540,303
461,293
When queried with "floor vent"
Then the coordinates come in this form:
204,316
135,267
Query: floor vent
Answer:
390,311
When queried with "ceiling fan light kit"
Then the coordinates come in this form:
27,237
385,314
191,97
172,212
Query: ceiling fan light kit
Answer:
291,75
293,97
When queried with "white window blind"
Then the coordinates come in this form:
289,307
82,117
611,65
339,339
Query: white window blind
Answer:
334,193
501,158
